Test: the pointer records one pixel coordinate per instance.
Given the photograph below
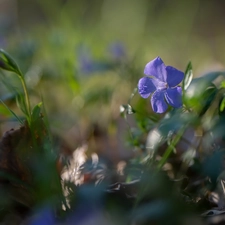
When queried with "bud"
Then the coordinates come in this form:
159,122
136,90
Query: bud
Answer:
7,62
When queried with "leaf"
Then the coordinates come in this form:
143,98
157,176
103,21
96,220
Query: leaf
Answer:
210,77
171,147
155,138
130,110
200,84
36,112
175,121
222,85
222,105
201,93
126,110
188,76
8,63
21,122
20,101
4,111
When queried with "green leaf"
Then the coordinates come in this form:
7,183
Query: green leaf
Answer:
171,147
21,122
212,76
20,101
36,112
222,105
175,121
4,111
222,85
8,63
188,76
201,93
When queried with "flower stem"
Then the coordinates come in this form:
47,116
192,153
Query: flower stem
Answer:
170,148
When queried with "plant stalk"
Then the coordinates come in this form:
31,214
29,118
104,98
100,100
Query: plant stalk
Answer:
170,148
27,100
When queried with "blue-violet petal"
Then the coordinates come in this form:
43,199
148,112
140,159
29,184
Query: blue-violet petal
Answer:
174,97
158,102
156,68
145,87
174,76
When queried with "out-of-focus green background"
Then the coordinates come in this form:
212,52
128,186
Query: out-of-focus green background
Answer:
84,58
176,30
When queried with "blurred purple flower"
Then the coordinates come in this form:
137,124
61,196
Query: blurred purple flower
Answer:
87,64
117,50
161,81
85,60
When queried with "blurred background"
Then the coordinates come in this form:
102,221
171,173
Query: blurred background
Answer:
83,59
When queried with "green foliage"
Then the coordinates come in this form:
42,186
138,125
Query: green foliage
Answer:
165,148
35,115
20,101
23,101
188,77
8,63
2,110
201,92
172,162
126,110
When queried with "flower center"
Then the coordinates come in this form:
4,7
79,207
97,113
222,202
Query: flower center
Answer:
162,86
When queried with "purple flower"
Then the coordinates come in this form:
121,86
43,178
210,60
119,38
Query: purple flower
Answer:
85,59
161,83
117,51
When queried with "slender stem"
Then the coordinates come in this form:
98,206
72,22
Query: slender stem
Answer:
27,100
10,64
170,148
132,95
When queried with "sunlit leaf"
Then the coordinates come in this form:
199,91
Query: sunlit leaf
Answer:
4,111
222,85
222,105
188,76
126,109
154,139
